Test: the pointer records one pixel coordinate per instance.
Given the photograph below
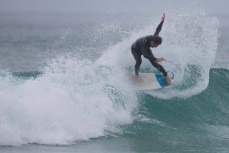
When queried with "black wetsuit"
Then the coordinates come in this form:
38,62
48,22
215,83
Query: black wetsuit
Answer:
142,47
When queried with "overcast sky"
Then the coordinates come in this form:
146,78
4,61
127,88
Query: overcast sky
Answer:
214,6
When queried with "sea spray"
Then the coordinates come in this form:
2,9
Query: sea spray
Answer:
73,100
190,43
69,102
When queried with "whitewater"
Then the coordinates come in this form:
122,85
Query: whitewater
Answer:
76,99
76,96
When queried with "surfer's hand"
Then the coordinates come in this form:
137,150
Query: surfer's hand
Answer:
163,17
168,79
160,59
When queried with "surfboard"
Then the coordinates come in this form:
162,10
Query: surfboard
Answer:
148,81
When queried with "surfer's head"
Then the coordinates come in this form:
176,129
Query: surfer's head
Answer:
155,41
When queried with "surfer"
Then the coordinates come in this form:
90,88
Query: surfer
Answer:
142,47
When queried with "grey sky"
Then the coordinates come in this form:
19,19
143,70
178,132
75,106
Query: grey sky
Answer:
214,6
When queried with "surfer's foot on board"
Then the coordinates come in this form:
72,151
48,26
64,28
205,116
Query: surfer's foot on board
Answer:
168,79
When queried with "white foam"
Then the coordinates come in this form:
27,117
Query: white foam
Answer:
189,44
69,102
80,99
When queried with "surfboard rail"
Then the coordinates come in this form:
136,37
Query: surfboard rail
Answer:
148,81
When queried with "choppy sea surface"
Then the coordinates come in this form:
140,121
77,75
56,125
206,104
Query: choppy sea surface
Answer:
64,83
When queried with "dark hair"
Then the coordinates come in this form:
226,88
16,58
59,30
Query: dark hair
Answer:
156,39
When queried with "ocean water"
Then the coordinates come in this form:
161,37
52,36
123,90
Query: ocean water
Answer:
64,83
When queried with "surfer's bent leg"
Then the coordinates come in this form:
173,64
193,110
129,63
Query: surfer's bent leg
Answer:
138,60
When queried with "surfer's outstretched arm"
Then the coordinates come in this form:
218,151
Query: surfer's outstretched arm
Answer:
159,67
147,53
159,27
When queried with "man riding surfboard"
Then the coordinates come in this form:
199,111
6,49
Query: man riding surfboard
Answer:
142,47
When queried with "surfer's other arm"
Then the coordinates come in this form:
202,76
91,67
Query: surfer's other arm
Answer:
147,53
159,27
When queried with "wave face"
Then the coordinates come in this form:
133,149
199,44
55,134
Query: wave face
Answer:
76,99
197,124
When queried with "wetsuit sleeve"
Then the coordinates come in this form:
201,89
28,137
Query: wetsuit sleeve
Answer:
159,67
147,53
158,29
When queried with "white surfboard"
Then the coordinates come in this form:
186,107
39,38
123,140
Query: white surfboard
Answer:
148,81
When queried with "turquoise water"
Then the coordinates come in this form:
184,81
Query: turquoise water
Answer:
64,84
195,124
